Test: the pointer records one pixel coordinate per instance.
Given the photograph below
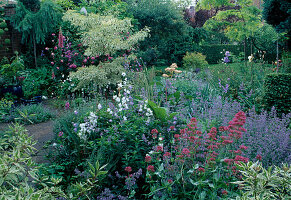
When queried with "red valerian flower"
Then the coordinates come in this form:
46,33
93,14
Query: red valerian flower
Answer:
151,168
159,148
148,159
243,147
201,169
259,157
128,169
224,192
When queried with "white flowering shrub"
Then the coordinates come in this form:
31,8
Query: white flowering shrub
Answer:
120,109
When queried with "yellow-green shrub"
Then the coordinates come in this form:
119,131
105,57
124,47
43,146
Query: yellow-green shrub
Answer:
194,60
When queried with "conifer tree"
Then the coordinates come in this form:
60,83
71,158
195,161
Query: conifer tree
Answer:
36,25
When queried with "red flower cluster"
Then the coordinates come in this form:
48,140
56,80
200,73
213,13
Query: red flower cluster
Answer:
151,168
128,169
154,133
148,159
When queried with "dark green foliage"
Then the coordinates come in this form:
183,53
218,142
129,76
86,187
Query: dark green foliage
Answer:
32,5
38,82
36,26
277,13
170,36
214,55
278,92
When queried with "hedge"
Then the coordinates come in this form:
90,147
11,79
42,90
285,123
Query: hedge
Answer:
277,89
213,52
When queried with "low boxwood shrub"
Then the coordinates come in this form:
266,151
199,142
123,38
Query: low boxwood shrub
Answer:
277,89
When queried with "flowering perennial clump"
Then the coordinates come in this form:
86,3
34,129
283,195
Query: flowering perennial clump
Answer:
198,156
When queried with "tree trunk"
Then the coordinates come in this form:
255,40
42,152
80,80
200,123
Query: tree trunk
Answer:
277,54
245,52
34,51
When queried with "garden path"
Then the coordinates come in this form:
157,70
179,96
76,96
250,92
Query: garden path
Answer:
42,133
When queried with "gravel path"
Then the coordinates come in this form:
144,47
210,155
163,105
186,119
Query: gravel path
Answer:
42,132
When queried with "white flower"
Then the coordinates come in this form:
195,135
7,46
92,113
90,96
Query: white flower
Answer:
114,97
54,144
119,105
123,74
119,85
117,99
99,106
44,97
92,115
124,118
110,112
108,109
151,152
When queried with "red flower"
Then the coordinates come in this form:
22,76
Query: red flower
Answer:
185,151
172,127
224,192
61,134
128,169
176,136
170,181
148,159
167,154
259,157
241,158
201,169
243,147
154,131
159,148
151,168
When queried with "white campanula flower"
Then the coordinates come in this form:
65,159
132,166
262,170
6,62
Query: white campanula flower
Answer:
124,118
117,99
123,74
119,85
99,106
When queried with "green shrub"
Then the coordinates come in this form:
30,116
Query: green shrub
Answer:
38,82
214,55
194,60
278,92
17,169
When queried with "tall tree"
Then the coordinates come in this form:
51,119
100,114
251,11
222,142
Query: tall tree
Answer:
237,24
278,14
36,25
